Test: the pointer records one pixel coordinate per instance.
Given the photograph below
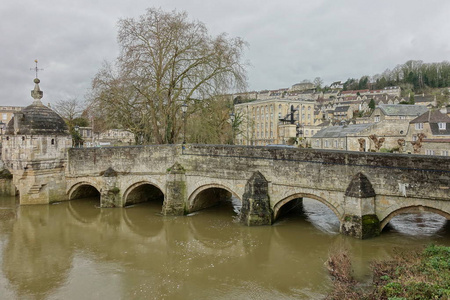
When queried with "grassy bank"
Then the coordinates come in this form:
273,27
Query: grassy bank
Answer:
421,274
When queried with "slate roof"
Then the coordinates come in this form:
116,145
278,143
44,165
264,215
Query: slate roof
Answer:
423,99
402,109
341,131
341,108
432,116
37,119
436,131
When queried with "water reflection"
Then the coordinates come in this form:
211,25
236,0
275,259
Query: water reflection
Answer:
418,225
77,250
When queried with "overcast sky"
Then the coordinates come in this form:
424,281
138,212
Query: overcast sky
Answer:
289,41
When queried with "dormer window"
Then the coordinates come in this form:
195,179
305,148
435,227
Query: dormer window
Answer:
419,126
442,125
377,119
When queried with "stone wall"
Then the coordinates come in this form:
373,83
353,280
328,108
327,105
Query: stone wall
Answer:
393,182
425,177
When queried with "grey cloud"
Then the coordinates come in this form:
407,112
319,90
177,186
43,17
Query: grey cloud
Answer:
289,40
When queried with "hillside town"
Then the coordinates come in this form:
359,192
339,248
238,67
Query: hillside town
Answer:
376,120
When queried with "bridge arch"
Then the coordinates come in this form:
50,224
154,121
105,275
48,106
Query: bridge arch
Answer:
142,191
196,203
281,203
412,209
83,189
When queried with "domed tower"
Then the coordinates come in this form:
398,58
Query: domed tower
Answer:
34,150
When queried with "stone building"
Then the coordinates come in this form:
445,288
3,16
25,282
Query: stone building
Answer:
302,86
261,120
386,129
343,137
34,151
429,134
397,112
116,137
342,113
6,114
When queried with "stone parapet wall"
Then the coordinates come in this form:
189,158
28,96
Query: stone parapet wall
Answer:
134,159
390,174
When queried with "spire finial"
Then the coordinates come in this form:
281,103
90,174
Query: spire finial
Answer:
36,69
36,93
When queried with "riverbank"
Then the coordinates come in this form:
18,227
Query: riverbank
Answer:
420,274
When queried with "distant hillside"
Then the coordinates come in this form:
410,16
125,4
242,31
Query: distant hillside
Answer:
414,75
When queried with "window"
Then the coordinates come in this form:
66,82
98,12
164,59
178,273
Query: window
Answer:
4,116
377,118
414,138
429,152
419,126
442,126
306,132
326,144
335,144
444,153
317,143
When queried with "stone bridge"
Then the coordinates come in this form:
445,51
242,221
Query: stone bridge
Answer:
364,190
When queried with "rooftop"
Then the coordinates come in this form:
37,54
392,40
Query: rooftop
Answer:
402,109
341,131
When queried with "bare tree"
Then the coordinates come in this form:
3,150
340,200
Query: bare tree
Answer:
378,142
166,60
418,143
318,82
69,110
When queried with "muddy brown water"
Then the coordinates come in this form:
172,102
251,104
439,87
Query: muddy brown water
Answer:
76,250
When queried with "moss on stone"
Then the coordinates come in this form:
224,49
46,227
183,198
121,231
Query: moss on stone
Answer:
370,226
5,174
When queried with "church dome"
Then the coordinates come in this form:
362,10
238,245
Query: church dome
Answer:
37,119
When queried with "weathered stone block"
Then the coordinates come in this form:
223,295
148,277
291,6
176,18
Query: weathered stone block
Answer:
176,191
255,202
362,227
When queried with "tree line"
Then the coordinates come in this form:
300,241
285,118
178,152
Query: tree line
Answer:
414,75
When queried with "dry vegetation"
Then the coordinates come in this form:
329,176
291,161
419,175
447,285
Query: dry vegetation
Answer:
421,274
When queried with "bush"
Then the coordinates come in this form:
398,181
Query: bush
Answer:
421,274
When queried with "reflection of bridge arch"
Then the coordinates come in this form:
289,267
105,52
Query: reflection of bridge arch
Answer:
281,203
196,203
134,218
213,237
142,191
83,189
413,210
83,212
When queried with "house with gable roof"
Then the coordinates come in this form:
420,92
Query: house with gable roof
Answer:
429,134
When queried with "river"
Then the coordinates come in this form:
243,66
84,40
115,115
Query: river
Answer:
75,250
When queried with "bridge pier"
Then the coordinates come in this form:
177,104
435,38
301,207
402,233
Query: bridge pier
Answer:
360,220
110,194
256,202
176,191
